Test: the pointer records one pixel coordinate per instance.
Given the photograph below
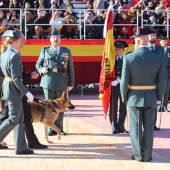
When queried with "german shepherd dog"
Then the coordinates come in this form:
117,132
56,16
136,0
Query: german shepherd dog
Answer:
47,112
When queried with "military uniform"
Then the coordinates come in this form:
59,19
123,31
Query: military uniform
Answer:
13,91
118,121
167,74
142,84
60,74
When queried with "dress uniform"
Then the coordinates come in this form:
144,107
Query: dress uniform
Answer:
116,121
156,48
142,84
13,90
164,42
56,68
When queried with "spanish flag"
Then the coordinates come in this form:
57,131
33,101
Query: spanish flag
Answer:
107,74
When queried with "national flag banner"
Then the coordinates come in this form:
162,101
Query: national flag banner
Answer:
107,74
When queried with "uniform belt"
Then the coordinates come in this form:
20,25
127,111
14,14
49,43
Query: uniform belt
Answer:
142,87
56,70
10,79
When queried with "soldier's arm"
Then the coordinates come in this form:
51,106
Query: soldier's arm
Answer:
124,80
40,62
70,71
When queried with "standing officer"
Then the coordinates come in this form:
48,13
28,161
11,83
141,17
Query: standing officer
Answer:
13,90
164,44
142,84
118,124
55,65
157,48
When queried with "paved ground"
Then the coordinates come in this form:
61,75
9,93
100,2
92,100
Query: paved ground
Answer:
89,144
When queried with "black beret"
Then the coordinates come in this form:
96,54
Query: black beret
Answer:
11,33
143,31
120,44
54,33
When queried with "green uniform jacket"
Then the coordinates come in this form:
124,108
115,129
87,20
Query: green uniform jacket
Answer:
61,61
142,68
11,66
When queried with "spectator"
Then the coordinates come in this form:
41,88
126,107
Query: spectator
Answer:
99,21
29,28
151,5
64,6
42,18
15,4
70,11
47,3
146,15
4,4
56,20
163,22
98,4
27,6
3,21
125,31
161,7
132,13
13,20
118,14
87,20
117,4
139,6
153,20
69,31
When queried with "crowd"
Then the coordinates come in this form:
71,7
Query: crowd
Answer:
39,18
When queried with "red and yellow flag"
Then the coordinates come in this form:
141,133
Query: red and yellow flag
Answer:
107,74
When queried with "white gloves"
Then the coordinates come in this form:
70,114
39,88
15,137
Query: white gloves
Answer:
158,102
30,96
69,88
44,70
115,82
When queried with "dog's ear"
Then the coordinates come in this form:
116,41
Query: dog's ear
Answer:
64,95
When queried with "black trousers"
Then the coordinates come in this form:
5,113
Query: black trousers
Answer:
29,130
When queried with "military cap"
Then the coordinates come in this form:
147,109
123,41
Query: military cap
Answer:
154,31
162,38
11,33
54,33
120,44
143,31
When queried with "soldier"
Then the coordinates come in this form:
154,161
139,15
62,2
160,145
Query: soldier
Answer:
13,91
164,44
118,124
142,84
157,48
55,65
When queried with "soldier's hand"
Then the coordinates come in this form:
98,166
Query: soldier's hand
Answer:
34,75
114,83
158,102
44,70
30,96
69,88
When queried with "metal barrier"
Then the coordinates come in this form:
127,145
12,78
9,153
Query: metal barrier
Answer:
83,12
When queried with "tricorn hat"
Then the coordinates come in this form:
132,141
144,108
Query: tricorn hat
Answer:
143,31
54,33
162,38
120,44
11,33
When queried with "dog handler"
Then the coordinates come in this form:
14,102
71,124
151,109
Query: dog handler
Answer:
13,90
55,65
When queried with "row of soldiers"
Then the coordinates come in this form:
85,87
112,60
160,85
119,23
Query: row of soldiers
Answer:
116,121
